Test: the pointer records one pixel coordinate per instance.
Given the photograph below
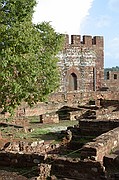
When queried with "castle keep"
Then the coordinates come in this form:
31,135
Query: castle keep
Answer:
82,64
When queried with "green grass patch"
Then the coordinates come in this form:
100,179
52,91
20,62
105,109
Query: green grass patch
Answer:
40,131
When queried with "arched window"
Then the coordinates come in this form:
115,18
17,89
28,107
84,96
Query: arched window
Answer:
72,82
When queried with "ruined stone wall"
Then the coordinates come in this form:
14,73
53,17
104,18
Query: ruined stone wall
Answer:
61,167
49,118
110,109
112,80
96,127
102,145
20,160
77,169
59,100
81,64
23,147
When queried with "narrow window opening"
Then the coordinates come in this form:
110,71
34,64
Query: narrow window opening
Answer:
108,75
115,76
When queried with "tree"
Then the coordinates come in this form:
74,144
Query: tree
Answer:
28,63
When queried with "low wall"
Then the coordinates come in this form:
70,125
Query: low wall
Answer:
77,169
94,127
26,154
102,145
58,100
23,147
20,160
49,118
60,167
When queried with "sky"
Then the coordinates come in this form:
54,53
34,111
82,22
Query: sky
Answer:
84,17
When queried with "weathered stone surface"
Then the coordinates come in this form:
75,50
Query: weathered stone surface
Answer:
81,63
94,127
112,80
102,145
77,169
44,171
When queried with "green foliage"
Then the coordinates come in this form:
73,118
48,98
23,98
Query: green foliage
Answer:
113,68
28,63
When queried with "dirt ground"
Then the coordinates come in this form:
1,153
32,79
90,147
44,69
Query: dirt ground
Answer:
4,175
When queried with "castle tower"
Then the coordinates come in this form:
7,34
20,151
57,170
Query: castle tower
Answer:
82,64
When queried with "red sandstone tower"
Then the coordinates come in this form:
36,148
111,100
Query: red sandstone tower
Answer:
82,64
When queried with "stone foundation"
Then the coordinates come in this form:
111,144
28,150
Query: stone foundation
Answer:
49,118
94,156
102,146
58,100
77,169
94,127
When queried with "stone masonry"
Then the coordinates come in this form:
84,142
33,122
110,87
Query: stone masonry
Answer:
112,80
82,64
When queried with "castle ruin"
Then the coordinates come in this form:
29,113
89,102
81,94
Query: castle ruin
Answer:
81,64
81,67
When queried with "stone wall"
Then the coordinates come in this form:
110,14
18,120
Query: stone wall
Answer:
58,100
89,166
58,166
77,169
94,127
20,160
23,147
49,118
81,63
109,109
102,145
112,80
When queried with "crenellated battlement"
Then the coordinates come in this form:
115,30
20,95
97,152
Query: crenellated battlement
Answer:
86,40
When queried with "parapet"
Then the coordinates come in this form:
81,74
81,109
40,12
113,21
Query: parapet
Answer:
87,40
98,40
76,39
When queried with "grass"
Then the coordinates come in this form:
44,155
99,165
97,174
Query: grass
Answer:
40,131
46,131
35,120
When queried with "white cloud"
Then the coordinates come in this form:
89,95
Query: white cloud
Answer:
103,21
65,15
114,5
